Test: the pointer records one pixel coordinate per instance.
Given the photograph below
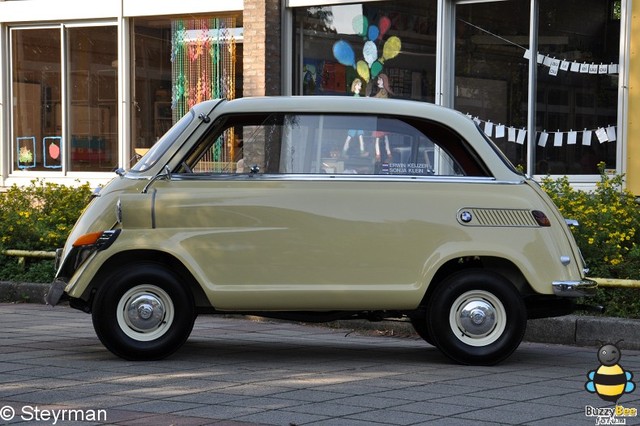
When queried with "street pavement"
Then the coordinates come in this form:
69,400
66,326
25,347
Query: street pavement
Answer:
235,371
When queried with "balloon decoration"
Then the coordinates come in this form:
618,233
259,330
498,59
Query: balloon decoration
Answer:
344,53
372,63
391,48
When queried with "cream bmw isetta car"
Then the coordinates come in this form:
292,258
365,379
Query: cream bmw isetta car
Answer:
318,209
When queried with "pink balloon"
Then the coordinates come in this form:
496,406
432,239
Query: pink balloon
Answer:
383,26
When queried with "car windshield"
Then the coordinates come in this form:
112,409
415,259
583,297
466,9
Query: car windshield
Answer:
160,147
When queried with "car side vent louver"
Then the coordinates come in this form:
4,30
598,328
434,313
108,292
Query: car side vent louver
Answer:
497,217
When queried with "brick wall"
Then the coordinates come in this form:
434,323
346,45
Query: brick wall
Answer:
261,68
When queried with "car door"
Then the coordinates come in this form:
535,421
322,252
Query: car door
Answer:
313,212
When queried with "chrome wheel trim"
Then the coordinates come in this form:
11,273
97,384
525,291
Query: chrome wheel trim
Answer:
145,312
477,318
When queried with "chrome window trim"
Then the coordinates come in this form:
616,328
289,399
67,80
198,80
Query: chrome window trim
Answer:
342,178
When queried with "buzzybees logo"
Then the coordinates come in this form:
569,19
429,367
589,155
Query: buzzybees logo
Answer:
610,381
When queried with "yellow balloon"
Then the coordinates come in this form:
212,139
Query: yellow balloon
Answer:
391,48
363,70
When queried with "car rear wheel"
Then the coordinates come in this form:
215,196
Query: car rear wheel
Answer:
420,327
476,317
143,312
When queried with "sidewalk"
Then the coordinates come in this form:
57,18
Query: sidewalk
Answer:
568,330
238,372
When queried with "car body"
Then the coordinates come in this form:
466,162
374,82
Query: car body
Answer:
317,209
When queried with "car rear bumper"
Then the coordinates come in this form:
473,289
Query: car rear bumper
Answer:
582,288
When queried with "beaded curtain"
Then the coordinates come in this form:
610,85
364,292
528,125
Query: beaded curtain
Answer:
203,67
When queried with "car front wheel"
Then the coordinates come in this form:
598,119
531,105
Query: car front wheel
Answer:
476,317
143,312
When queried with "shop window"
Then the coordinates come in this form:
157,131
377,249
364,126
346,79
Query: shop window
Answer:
387,48
577,87
93,90
41,138
180,61
37,94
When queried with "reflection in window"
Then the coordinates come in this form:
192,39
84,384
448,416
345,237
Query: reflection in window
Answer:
336,145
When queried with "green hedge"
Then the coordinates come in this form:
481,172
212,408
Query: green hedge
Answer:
37,217
608,235
40,216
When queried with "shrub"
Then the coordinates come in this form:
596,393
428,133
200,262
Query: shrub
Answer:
608,235
37,217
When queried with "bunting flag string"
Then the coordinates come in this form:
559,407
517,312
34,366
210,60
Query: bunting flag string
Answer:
556,139
556,65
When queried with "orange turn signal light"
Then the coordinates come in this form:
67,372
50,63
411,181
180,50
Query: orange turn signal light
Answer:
87,239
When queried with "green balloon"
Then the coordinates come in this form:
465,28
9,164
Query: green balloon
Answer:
376,68
360,24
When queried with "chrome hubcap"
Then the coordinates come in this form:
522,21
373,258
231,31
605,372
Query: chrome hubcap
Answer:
145,312
477,318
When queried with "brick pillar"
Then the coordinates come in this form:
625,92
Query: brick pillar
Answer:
262,48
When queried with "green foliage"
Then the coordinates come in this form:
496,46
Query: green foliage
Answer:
37,217
608,235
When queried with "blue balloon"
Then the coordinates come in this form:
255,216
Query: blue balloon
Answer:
373,32
344,53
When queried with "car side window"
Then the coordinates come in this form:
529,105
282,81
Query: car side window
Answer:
333,144
373,145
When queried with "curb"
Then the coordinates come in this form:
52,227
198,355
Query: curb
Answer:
574,330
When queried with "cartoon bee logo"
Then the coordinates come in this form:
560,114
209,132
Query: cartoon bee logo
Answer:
610,381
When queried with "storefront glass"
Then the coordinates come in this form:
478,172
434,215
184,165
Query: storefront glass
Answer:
577,100
93,91
39,126
180,61
355,49
37,93
384,49
491,73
